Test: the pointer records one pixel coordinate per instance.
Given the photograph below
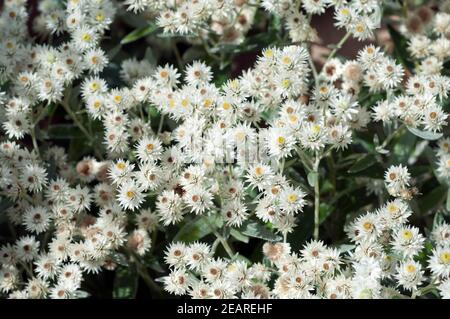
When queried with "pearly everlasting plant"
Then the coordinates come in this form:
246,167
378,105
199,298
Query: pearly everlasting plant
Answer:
224,149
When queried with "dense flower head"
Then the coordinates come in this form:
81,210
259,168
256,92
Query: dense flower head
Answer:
163,159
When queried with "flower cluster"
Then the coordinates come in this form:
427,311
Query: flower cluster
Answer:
228,20
381,261
110,161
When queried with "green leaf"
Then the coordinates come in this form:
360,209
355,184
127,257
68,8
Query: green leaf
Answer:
197,229
425,134
150,56
139,33
345,248
438,220
256,230
239,236
363,163
81,294
155,265
119,259
64,131
400,48
447,206
114,51
404,147
193,53
433,199
125,283
312,178
325,211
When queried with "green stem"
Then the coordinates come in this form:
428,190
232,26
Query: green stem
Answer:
75,119
161,122
338,46
393,135
223,241
34,141
143,273
177,55
316,199
313,68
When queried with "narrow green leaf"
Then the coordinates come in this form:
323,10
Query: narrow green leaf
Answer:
312,178
400,48
64,131
256,230
139,33
447,206
425,134
195,230
81,294
239,236
119,259
434,198
363,163
325,211
438,220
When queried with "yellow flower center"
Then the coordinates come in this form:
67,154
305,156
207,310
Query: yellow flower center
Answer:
100,17
207,103
258,171
149,147
240,136
445,257
163,74
86,37
410,268
285,83
293,118
280,140
226,106
407,235
359,28
315,129
234,84
286,60
184,103
345,11
120,166
292,198
392,208
94,86
268,53
368,226
130,194
117,98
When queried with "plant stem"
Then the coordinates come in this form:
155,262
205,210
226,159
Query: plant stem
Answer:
313,68
227,247
338,46
223,241
393,135
316,199
177,55
143,273
75,119
161,122
34,140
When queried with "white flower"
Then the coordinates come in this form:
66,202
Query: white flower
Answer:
130,195
439,262
36,219
409,274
